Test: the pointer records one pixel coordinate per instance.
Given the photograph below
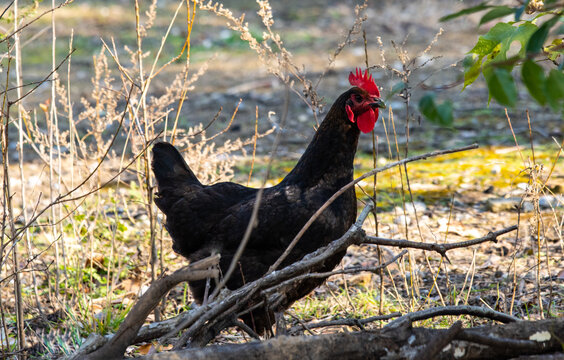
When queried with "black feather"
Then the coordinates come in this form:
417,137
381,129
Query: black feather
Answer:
169,166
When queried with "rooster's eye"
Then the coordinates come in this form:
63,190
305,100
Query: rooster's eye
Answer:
358,98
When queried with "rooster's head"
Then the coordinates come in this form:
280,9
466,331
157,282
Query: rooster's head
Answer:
362,105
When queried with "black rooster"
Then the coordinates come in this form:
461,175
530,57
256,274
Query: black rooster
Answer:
203,220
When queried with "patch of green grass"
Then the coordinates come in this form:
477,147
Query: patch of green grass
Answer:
432,181
480,168
360,300
103,321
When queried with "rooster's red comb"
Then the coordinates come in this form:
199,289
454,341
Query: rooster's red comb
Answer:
364,81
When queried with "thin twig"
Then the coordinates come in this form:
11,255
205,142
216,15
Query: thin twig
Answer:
6,9
256,206
246,328
341,322
440,248
45,79
452,310
64,3
351,270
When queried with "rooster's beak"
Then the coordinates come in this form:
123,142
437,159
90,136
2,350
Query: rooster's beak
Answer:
378,103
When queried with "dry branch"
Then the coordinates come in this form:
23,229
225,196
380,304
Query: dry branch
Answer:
128,330
350,270
440,248
540,337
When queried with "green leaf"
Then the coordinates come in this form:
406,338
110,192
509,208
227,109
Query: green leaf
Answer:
501,86
555,49
427,106
498,56
554,88
467,11
121,227
444,112
492,39
534,79
469,61
536,41
484,46
494,45
438,114
522,34
500,32
472,71
68,227
496,12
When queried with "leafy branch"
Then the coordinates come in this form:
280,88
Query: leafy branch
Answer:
541,43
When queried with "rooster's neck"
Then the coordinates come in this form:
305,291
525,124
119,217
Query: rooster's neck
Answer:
329,157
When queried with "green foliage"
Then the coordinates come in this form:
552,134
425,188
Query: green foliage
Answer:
467,11
533,77
104,322
496,12
501,86
494,46
489,56
554,89
27,8
438,113
555,49
537,39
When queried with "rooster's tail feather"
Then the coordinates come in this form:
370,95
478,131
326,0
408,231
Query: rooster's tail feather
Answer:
169,167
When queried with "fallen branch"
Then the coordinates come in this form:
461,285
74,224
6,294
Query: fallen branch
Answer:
249,295
128,330
246,328
540,337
